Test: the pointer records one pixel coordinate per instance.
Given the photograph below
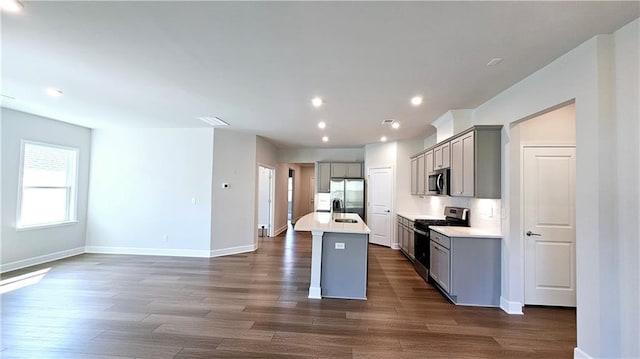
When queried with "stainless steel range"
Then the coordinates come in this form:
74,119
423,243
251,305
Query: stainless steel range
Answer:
453,216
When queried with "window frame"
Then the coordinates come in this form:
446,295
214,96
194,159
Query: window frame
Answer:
72,189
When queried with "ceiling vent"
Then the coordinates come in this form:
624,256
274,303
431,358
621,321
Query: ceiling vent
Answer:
213,121
388,121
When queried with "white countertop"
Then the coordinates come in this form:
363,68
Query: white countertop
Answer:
465,232
323,221
414,216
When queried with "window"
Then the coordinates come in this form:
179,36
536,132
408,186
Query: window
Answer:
47,193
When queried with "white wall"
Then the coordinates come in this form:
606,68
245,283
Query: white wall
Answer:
587,75
24,248
627,164
142,185
311,155
234,219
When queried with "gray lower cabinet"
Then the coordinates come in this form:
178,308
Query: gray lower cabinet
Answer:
344,265
467,270
405,237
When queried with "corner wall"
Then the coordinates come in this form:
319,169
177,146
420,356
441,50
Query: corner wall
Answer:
34,246
234,218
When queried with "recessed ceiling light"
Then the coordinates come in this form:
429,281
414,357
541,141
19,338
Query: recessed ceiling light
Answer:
416,100
322,124
54,92
14,6
395,125
383,139
325,139
213,121
494,61
316,102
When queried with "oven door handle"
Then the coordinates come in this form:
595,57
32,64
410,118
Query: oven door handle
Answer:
420,232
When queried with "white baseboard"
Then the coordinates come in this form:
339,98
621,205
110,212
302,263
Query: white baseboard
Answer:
149,251
280,230
510,307
579,354
233,250
395,246
41,259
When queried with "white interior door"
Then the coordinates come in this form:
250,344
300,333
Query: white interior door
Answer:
549,225
380,201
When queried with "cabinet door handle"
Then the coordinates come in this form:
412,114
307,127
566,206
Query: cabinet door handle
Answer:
529,234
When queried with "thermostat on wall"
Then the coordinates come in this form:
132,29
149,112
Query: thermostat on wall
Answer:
225,185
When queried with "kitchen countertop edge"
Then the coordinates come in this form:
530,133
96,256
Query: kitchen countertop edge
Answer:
324,222
465,232
413,216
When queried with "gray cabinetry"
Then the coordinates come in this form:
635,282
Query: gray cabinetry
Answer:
441,156
405,237
323,176
414,175
346,169
421,174
467,270
326,170
475,163
428,166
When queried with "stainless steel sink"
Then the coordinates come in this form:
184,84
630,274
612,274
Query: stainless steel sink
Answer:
346,220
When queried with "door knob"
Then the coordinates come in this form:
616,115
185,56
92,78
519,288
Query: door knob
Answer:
529,233
388,211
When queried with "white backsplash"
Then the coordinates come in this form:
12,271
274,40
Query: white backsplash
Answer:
484,213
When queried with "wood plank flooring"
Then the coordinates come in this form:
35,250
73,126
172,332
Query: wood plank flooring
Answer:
255,306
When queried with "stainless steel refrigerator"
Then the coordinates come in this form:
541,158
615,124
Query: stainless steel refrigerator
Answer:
350,193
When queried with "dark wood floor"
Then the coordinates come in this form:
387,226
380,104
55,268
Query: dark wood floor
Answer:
255,306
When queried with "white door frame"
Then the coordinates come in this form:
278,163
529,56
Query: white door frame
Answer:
523,145
392,221
272,192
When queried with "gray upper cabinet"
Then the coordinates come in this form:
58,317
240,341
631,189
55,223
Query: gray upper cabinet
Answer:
323,176
475,163
326,170
428,164
346,169
441,156
473,157
421,174
414,175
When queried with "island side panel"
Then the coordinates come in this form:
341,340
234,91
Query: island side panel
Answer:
344,271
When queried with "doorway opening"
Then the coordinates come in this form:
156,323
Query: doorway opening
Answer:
543,174
290,195
266,190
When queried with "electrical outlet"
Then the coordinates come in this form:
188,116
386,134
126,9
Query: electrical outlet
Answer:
193,200
165,238
339,245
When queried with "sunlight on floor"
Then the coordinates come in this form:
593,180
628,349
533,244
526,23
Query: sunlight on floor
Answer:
22,281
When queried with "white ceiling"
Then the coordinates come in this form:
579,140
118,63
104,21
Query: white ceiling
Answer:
256,65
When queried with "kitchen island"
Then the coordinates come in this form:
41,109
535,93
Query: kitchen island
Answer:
339,254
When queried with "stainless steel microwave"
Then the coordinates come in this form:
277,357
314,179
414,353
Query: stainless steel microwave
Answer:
439,182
